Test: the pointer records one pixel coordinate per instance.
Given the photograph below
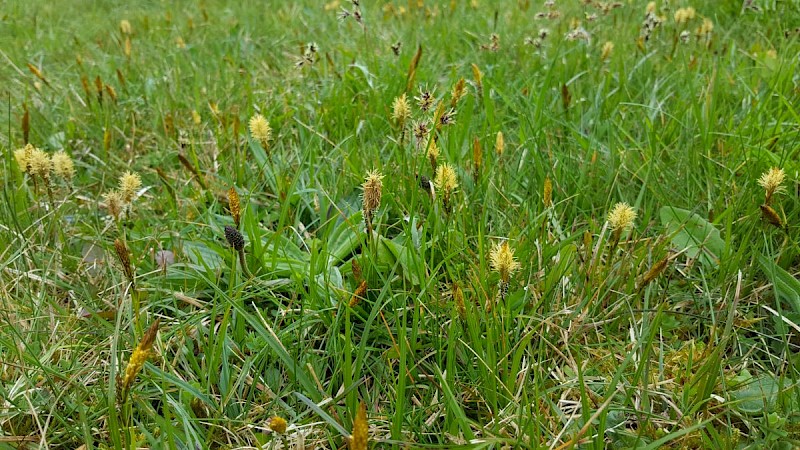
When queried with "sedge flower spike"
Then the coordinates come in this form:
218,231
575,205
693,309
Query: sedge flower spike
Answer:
260,130
621,217
771,181
129,184
373,189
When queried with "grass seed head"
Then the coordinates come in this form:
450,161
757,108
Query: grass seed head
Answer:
63,165
772,181
129,184
260,130
23,157
446,179
235,207
140,355
502,261
499,144
277,424
358,294
360,434
40,164
113,201
425,100
401,110
125,27
234,238
608,47
547,193
621,217
771,216
124,259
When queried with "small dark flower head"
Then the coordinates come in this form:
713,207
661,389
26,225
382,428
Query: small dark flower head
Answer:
234,237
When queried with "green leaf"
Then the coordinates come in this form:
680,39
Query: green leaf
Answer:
786,286
758,396
693,235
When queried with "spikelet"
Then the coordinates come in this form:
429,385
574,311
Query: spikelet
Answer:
125,260
63,166
129,184
771,216
401,110
433,154
235,207
458,92
23,157
358,294
502,261
234,238
458,299
425,100
125,27
373,187
40,164
355,267
446,182
499,144
621,216
654,272
608,47
277,424
547,193
772,181
261,130
478,76
140,355
360,436
114,203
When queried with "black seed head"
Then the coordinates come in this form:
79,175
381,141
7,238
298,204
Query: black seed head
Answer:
234,237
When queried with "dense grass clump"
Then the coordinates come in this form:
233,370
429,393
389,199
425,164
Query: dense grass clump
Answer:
400,224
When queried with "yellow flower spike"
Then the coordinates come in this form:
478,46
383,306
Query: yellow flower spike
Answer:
63,166
621,217
129,184
360,435
771,181
260,130
140,355
373,188
401,110
277,424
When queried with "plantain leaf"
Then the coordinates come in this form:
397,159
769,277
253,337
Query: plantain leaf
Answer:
786,286
693,235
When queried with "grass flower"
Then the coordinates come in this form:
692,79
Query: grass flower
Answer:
446,182
23,157
499,144
458,92
277,424
125,27
360,435
373,188
40,164
771,181
547,193
140,355
608,47
63,166
425,100
125,259
683,15
501,259
620,218
114,203
129,184
421,130
433,154
458,299
235,207
401,110
358,294
771,216
260,130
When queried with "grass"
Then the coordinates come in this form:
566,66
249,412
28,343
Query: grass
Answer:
678,331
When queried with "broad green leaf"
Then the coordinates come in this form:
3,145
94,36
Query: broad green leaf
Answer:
758,396
786,286
694,235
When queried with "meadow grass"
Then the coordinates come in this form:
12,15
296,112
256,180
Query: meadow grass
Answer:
617,269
